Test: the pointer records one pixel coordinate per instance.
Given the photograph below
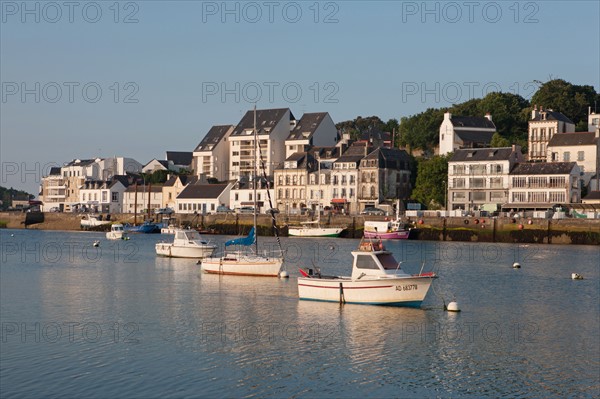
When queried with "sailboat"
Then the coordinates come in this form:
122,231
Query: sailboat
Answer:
245,261
314,228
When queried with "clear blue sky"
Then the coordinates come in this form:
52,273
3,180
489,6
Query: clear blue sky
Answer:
163,74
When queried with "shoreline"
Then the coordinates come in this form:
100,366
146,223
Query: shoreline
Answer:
507,230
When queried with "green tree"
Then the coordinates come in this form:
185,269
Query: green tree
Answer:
431,181
571,100
499,141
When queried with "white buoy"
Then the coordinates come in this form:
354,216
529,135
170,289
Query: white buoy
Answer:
12,235
96,243
283,274
576,276
516,265
453,307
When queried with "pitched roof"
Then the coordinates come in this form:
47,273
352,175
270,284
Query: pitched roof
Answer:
471,136
266,119
185,179
543,168
551,116
578,138
180,157
390,158
355,153
81,162
213,137
55,170
376,134
472,122
481,154
197,191
165,164
592,195
307,125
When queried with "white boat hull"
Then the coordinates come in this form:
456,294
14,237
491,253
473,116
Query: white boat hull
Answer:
116,235
244,265
174,251
401,291
315,231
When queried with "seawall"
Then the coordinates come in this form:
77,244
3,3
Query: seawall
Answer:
542,231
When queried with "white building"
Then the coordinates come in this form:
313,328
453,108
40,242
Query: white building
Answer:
103,196
465,132
203,198
211,156
580,147
139,198
544,124
273,127
543,184
478,179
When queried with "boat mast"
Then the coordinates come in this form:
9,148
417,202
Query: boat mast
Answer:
320,199
254,181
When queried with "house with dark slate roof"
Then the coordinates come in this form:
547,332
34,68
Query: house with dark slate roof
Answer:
313,129
540,185
543,125
383,175
478,178
457,132
273,127
203,198
158,164
580,147
211,155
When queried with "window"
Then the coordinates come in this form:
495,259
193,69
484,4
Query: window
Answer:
366,262
280,180
458,196
351,179
459,169
557,197
519,196
497,196
477,183
287,193
477,169
537,196
496,182
250,197
212,207
237,197
566,156
580,155
458,183
557,181
543,133
519,182
115,197
287,180
279,193
335,180
335,193
294,180
533,134
312,193
478,196
351,193
372,191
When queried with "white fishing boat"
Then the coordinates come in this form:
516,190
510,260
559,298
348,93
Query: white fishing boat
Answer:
170,229
314,229
186,244
376,279
246,261
90,220
117,232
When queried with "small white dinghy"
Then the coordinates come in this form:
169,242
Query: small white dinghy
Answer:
186,244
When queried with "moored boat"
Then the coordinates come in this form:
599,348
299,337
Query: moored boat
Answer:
376,279
186,244
89,221
387,230
146,228
117,232
314,229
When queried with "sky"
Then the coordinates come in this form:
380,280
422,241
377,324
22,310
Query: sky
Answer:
85,79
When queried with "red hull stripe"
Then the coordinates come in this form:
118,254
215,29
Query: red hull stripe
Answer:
240,274
347,288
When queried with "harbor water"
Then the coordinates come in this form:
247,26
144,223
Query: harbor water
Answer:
117,321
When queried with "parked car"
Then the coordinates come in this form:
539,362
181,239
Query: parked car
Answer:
55,209
163,211
273,211
246,209
224,209
373,211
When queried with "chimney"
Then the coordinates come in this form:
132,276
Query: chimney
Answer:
488,116
534,112
447,116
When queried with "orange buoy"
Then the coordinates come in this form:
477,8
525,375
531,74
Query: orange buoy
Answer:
521,227
421,221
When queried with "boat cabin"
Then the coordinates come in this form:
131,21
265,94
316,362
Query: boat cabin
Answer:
372,259
188,236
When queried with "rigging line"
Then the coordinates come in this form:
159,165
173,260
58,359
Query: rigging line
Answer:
273,221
